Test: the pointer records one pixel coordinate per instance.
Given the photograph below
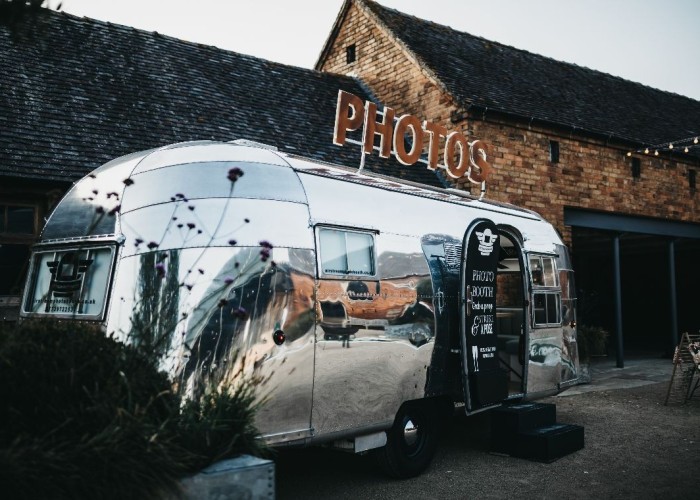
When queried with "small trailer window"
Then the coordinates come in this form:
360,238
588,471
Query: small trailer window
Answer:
346,252
543,271
546,294
547,309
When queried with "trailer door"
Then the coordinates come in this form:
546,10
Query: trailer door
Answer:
484,382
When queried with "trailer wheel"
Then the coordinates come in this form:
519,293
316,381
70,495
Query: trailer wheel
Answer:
411,441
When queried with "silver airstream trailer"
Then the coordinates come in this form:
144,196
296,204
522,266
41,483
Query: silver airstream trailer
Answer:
365,306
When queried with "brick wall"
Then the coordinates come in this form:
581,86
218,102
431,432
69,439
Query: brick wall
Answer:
590,173
383,65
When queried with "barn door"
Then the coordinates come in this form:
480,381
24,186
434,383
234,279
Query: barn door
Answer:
485,383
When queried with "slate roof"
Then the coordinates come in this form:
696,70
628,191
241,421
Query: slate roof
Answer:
76,93
496,77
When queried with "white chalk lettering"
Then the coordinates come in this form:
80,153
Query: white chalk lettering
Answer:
482,275
477,306
482,291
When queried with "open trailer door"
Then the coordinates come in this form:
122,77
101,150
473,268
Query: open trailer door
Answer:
485,383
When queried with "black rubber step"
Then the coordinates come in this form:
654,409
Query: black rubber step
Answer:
529,430
520,417
546,444
508,421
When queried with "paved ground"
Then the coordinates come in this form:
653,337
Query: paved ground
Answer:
638,371
635,448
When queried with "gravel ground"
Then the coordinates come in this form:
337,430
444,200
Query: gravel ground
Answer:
635,447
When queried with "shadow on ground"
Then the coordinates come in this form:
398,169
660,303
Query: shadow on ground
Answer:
635,447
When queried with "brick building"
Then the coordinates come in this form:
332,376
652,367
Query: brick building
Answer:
75,93
560,137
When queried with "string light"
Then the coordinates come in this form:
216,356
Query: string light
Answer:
685,144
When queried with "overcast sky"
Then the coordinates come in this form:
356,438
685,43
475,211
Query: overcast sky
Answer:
654,42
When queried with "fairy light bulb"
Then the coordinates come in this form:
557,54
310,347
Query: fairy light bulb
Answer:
629,154
670,146
646,151
686,149
656,153
695,141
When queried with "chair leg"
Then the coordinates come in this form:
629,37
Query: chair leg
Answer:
670,384
692,388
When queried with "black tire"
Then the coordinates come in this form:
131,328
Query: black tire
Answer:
411,441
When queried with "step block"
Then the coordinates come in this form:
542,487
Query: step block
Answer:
508,421
549,443
516,418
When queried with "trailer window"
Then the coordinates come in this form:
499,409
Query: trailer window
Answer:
547,309
542,270
69,282
546,294
346,252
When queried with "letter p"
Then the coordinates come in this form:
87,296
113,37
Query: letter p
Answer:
349,115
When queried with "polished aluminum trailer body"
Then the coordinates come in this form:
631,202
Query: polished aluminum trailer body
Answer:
356,310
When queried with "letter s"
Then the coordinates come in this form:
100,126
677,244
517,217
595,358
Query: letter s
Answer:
480,167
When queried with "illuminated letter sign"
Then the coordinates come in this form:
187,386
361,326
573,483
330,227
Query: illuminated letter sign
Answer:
436,131
349,113
403,125
384,129
461,158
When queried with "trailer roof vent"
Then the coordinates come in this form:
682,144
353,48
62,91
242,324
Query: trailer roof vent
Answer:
254,144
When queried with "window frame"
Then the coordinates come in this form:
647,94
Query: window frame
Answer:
9,236
19,239
554,151
545,290
35,268
351,53
320,273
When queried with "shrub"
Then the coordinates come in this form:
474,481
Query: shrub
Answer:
85,416
219,424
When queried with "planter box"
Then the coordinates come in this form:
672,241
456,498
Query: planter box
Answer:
244,477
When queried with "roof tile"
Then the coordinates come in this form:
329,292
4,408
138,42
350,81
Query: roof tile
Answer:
480,72
76,93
